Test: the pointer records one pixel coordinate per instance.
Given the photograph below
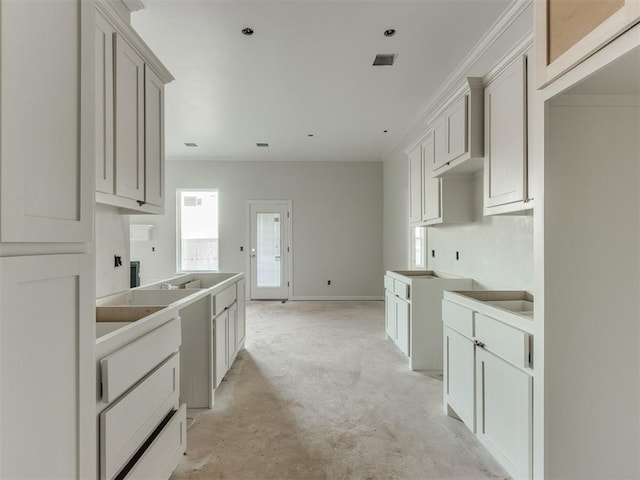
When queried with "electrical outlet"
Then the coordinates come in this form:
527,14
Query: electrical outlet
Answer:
433,254
117,261
328,282
457,255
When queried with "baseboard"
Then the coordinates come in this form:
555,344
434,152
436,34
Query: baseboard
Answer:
348,298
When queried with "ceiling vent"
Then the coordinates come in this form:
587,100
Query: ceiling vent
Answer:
261,144
384,59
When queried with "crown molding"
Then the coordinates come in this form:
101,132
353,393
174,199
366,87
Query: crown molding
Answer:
458,75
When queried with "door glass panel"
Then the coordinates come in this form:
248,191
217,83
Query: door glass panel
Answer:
268,261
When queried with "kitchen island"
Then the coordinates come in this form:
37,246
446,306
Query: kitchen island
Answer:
160,348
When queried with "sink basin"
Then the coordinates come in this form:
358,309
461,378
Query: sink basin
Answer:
148,297
518,306
515,301
112,317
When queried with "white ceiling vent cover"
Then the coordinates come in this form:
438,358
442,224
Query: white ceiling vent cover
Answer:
384,59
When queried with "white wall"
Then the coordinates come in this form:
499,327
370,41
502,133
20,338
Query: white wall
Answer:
496,252
591,327
112,238
337,221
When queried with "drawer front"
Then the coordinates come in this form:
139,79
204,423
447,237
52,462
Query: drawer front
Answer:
224,299
126,425
402,289
126,366
163,455
388,283
503,340
458,318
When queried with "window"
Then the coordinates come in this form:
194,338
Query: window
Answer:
197,218
418,248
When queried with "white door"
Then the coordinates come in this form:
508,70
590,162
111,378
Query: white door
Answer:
269,250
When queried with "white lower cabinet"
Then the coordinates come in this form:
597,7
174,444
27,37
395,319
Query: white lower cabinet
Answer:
220,334
228,325
504,406
459,374
403,326
488,380
413,322
142,426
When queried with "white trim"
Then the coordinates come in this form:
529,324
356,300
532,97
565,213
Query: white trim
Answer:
134,5
298,159
130,35
337,299
453,80
520,49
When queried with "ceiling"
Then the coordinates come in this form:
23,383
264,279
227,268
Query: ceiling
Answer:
307,69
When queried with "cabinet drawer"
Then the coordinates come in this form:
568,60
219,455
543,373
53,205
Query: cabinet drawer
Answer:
163,454
503,340
126,425
223,299
458,318
388,283
401,289
126,366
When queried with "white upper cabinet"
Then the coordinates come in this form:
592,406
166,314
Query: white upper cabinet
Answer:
459,132
46,118
505,163
456,121
434,200
153,138
129,121
415,186
104,34
430,185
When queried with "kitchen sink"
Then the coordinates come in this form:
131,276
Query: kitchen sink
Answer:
518,306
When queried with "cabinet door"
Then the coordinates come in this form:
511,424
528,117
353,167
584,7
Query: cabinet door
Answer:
129,121
456,122
221,345
153,138
403,326
430,185
47,367
390,314
233,333
459,373
439,144
504,412
47,122
506,136
415,186
241,314
104,34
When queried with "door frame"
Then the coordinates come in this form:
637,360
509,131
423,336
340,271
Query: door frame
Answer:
289,252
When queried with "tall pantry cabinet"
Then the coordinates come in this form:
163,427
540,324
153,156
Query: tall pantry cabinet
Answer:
47,289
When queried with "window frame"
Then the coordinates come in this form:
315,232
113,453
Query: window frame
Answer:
412,258
179,192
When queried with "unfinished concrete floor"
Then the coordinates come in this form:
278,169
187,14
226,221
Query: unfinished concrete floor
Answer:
319,393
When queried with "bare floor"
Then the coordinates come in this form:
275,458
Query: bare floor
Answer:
319,393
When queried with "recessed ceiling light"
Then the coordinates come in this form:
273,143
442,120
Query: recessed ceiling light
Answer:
384,59
262,144
247,31
390,32
385,131
309,134
190,144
